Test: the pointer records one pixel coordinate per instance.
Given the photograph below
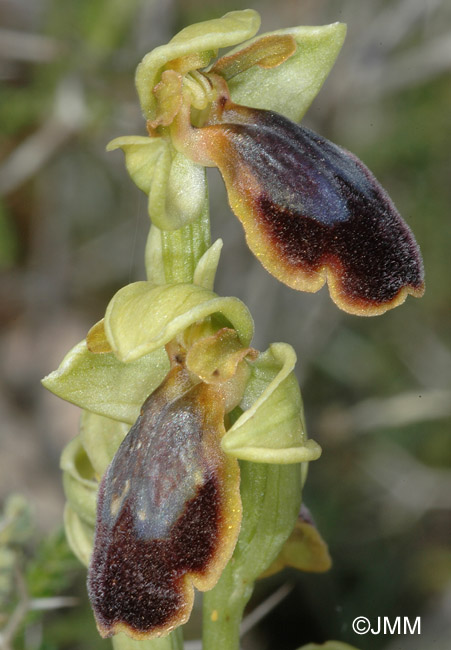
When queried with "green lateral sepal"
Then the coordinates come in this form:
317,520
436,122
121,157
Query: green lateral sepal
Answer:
290,88
103,384
272,428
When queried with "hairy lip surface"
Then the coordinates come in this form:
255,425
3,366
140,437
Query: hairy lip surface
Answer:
168,513
313,212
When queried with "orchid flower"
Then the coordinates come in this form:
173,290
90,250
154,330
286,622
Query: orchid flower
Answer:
311,211
168,489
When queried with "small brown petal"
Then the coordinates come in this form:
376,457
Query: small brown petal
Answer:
96,339
215,358
266,52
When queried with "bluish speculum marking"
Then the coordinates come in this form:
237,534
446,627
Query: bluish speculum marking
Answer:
160,458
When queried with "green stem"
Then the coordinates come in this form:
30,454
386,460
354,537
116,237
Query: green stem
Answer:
172,255
183,248
271,497
223,609
174,641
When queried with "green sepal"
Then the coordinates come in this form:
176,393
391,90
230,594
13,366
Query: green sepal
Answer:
79,535
142,317
269,518
101,437
290,87
80,486
272,429
104,385
205,37
84,461
329,645
164,175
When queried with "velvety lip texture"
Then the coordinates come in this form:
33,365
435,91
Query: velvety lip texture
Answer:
312,212
168,512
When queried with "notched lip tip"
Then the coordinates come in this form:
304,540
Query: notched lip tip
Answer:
368,308
137,635
418,292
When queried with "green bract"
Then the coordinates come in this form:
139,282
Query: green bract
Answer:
271,497
80,534
100,438
205,271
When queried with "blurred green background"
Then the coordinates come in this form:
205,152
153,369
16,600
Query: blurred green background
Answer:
377,391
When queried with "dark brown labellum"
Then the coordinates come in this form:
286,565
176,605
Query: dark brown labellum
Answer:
164,506
313,212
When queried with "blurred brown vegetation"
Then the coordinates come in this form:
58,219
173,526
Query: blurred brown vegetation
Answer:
377,391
